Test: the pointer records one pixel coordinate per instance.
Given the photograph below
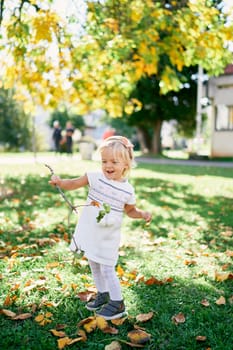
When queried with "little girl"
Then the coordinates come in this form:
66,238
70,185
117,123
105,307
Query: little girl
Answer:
100,240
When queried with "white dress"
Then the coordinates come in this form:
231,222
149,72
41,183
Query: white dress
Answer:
100,241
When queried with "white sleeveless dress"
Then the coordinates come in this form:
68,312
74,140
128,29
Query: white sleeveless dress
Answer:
100,241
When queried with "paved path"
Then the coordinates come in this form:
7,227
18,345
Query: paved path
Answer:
30,159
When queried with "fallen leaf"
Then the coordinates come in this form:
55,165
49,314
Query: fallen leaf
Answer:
89,324
7,301
190,262
229,253
63,342
101,323
221,276
221,301
138,336
205,302
86,296
119,321
179,318
110,330
52,265
58,333
115,345
144,317
8,313
22,316
120,271
82,334
200,338
39,318
152,281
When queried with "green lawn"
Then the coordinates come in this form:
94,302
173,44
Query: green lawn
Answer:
179,265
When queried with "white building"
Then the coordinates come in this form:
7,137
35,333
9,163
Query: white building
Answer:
220,93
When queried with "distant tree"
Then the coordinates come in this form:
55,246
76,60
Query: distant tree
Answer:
123,43
15,124
156,108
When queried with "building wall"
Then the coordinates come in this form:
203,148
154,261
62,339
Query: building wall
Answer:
220,93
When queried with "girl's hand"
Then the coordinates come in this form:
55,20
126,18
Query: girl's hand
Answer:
146,216
55,180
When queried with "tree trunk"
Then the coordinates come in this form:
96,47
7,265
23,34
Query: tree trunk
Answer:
156,138
143,139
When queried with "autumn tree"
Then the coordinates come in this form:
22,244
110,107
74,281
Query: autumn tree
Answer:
15,125
123,42
156,108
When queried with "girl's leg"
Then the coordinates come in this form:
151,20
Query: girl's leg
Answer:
97,276
111,281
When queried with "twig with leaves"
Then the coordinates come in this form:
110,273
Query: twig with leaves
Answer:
102,212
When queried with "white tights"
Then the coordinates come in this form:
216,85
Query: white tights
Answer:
106,280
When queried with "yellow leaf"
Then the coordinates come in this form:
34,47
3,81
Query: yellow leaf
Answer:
90,326
39,318
7,301
82,334
138,336
58,333
88,323
120,271
221,276
52,265
63,342
101,323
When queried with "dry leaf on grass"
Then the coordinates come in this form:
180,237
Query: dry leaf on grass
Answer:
221,301
115,345
58,333
179,318
8,313
118,321
222,276
205,302
145,317
138,336
14,316
201,338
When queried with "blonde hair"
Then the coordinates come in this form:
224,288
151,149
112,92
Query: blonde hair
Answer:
121,147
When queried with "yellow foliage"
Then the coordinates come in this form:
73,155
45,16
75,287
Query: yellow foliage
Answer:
45,23
112,24
137,8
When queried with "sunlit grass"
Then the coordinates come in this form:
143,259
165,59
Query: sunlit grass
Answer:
188,241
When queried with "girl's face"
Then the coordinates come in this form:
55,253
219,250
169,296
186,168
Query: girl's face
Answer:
113,166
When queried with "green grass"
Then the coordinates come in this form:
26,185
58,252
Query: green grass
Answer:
187,243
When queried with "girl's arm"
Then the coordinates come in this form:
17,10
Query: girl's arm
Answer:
69,184
133,212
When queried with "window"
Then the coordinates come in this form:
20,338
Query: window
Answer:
224,118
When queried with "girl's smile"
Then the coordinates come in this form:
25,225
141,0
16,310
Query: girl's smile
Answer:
113,166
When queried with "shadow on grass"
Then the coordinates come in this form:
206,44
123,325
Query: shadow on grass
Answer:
176,210
174,207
